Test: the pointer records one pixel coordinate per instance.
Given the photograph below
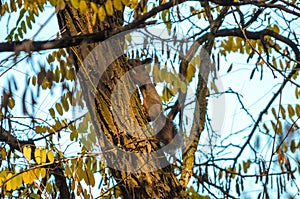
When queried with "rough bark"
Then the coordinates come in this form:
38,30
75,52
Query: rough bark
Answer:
161,183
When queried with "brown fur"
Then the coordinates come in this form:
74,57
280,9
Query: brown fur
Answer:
153,106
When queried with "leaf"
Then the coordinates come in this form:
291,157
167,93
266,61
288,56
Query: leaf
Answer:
246,166
26,178
126,2
75,3
37,155
94,7
23,27
266,128
16,182
43,155
293,146
82,6
59,108
167,94
274,62
291,111
101,13
118,5
11,103
43,172
60,5
27,152
50,156
191,69
274,112
276,28
40,129
9,183
52,112
282,110
109,7
298,110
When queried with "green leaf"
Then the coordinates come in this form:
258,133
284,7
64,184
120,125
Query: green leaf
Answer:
167,94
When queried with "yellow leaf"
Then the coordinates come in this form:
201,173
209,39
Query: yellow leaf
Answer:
26,178
298,110
16,182
51,156
27,152
101,13
59,108
94,7
293,146
276,29
82,6
3,154
11,103
75,3
39,129
190,72
43,172
60,4
133,3
43,155
109,8
94,20
37,155
52,113
91,177
32,176
118,5
125,2
9,183
291,111
282,110
37,173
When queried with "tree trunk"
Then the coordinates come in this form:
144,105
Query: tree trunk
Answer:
161,183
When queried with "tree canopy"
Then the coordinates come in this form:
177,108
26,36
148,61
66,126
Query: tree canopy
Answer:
149,99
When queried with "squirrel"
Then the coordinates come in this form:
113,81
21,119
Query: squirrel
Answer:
152,105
